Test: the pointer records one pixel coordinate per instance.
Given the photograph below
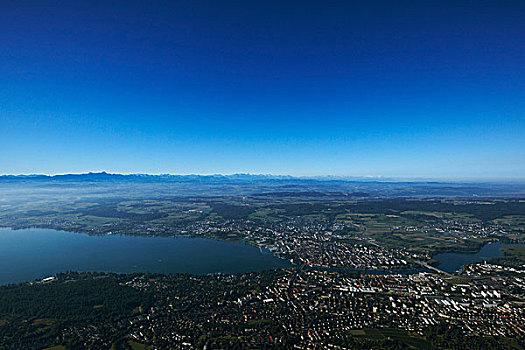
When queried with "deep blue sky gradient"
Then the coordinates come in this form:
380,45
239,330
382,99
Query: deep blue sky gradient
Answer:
430,89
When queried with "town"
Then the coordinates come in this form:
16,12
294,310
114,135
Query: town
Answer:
298,308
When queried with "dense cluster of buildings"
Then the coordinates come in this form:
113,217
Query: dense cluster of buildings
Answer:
321,308
461,229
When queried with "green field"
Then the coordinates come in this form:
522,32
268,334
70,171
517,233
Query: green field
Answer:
138,346
408,340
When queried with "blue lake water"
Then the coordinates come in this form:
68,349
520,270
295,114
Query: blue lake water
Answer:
36,253
452,262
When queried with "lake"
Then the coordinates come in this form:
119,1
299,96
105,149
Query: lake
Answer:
36,253
452,262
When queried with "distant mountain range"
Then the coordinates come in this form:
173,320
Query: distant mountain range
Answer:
269,186
216,178
104,176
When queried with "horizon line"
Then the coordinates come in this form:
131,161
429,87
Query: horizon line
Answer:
325,176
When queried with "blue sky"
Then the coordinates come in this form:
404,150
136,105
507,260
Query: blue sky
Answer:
430,89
